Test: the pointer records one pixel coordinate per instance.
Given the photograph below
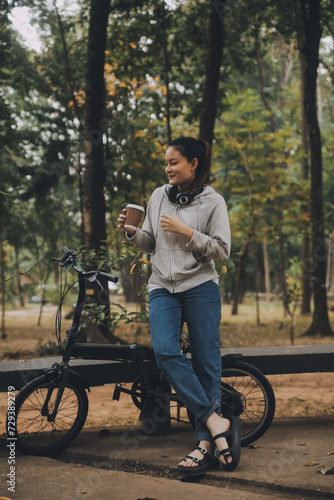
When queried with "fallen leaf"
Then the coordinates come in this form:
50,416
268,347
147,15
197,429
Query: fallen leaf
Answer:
330,453
327,471
254,446
311,463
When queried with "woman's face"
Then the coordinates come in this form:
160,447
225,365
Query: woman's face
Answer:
179,170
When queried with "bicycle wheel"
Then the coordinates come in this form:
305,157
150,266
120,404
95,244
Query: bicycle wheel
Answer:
247,393
35,434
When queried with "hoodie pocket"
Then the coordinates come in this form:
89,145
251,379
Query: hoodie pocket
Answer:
199,257
184,263
160,262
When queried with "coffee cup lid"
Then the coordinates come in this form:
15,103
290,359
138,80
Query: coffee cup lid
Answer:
137,207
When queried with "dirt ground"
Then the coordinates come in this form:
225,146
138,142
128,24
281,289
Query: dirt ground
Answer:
301,395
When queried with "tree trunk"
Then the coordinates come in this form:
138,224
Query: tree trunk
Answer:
282,265
94,171
210,91
93,174
3,285
330,267
19,286
305,249
266,266
67,65
312,36
257,289
261,83
306,281
47,272
166,72
239,277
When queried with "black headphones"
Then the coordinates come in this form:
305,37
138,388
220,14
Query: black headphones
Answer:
182,197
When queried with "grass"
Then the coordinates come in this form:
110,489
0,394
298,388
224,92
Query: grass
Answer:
243,330
23,336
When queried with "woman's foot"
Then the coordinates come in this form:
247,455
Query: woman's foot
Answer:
218,425
199,461
227,436
197,454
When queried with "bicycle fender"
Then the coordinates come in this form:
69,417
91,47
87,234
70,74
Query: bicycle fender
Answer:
77,378
51,373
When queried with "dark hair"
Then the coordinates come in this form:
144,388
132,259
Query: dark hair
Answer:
192,148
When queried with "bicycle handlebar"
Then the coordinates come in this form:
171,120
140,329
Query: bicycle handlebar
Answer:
69,259
107,276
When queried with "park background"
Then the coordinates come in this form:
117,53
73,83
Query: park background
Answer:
85,119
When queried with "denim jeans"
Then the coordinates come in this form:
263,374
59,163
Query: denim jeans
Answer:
197,382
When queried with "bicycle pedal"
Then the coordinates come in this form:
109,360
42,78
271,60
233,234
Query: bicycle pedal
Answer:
117,392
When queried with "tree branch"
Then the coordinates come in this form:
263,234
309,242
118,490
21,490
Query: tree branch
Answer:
23,274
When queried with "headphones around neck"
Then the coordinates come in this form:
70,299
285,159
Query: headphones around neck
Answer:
182,197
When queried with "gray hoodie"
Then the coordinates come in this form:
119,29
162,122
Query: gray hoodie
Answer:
179,264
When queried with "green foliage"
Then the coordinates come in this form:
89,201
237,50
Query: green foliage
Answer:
257,150
127,260
255,169
118,313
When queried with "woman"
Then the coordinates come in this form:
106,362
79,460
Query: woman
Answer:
186,228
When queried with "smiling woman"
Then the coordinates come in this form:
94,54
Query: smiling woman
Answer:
186,229
179,170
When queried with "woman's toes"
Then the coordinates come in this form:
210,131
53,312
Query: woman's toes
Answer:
188,463
225,459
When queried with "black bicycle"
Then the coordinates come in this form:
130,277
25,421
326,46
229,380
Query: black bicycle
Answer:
51,410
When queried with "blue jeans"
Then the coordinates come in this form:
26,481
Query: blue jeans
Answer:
197,382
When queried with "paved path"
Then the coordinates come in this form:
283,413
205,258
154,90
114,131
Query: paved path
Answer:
287,463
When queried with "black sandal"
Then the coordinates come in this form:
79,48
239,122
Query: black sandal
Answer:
233,437
206,464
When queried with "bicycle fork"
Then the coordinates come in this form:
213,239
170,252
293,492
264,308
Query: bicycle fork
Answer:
63,377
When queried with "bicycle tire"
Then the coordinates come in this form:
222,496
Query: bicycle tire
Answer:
35,435
257,396
246,393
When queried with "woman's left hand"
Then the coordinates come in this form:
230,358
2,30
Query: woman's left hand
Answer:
173,224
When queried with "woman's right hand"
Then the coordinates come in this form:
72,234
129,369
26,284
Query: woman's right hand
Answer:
121,221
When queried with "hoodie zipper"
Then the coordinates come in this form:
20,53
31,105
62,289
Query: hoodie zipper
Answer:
171,254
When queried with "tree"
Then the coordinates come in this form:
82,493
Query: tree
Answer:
94,170
305,249
312,30
212,75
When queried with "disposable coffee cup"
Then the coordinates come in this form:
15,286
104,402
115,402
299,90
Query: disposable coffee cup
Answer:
134,214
